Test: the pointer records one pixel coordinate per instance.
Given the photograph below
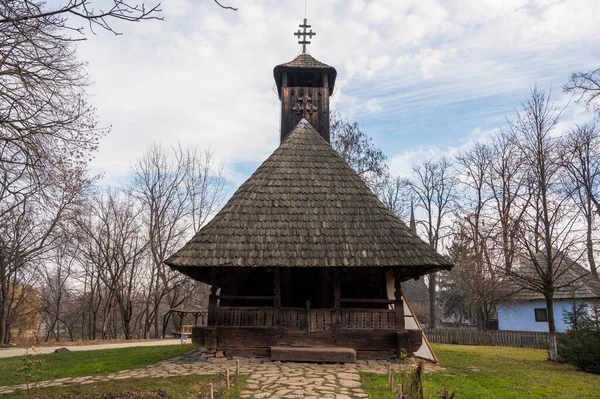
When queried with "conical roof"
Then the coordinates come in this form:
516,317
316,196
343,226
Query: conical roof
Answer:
304,62
306,207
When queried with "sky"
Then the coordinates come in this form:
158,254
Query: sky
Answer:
424,78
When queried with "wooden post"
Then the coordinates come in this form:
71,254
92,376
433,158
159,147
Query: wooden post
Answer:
307,315
399,304
237,368
277,297
392,382
400,394
389,374
211,391
337,303
212,307
227,378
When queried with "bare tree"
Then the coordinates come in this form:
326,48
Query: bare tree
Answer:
477,269
580,156
395,193
546,233
434,187
28,230
507,183
47,132
586,85
116,245
178,190
56,273
15,12
357,148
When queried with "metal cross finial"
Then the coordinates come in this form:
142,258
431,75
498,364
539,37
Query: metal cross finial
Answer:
304,33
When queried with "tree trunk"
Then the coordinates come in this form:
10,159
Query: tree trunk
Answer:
4,313
432,301
553,355
590,244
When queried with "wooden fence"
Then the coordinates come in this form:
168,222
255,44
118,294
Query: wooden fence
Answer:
471,336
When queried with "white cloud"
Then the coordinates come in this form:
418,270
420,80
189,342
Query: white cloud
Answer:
204,75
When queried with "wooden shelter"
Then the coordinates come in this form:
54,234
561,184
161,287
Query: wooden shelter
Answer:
304,254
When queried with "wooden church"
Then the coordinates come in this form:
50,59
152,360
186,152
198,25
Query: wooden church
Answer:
304,261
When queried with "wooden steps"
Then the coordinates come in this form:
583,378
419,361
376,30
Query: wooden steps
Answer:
312,354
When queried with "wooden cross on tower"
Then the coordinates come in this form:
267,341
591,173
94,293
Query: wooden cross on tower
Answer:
304,105
304,33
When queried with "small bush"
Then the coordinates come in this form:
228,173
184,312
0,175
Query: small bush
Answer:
580,345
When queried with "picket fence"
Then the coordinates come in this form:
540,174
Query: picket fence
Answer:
472,336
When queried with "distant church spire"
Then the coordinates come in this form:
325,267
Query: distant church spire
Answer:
413,224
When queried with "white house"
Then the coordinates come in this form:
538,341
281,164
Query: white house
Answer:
525,310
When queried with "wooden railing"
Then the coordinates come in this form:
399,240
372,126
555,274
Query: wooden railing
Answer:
231,316
320,319
303,319
383,319
293,318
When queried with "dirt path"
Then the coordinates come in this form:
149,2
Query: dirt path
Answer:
49,349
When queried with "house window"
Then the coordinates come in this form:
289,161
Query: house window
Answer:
541,314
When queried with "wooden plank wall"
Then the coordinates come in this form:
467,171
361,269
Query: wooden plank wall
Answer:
319,118
250,341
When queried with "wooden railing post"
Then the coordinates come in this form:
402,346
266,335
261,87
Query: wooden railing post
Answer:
337,303
307,315
399,304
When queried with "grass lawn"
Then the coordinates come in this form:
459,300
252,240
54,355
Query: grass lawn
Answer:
95,362
476,372
183,387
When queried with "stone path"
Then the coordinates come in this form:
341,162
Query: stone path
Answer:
267,379
303,380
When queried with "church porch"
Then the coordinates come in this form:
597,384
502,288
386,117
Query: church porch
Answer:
342,308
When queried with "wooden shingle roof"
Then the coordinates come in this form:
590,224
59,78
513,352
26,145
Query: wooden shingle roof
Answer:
306,207
305,62
572,281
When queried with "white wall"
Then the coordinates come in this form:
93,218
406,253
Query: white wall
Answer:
520,316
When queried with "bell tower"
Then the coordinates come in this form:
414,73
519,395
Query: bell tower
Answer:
304,86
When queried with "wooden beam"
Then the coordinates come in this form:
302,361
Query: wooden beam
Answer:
356,300
247,297
399,303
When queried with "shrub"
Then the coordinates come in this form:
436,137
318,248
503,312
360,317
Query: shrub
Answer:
580,345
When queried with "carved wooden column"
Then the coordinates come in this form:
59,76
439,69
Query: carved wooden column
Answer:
399,304
277,297
212,301
337,303
212,307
